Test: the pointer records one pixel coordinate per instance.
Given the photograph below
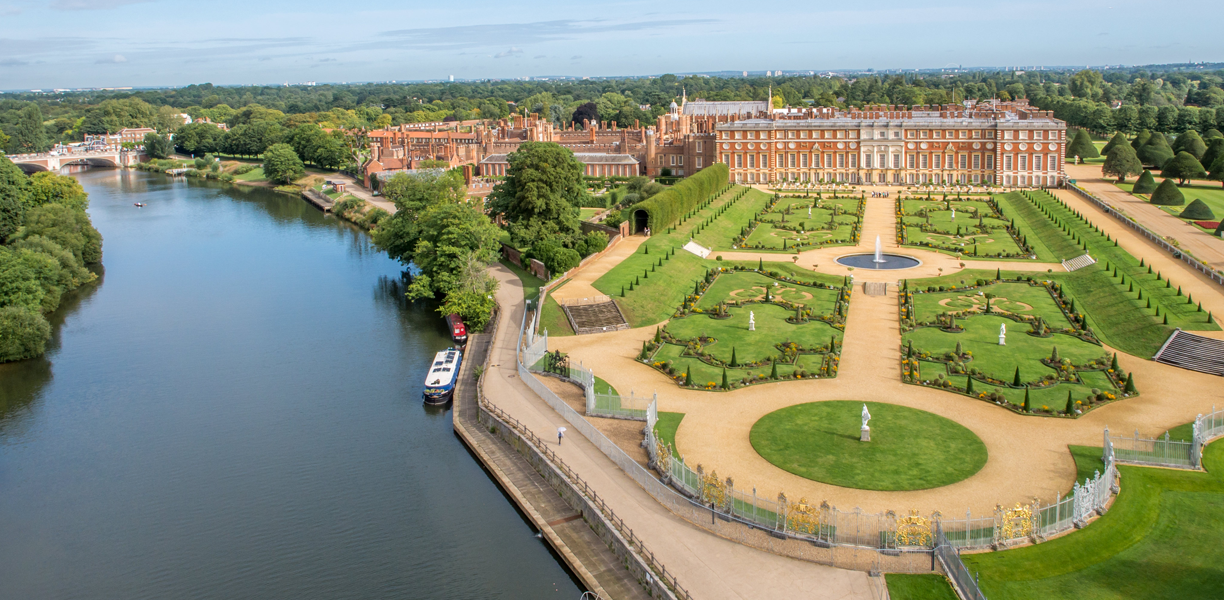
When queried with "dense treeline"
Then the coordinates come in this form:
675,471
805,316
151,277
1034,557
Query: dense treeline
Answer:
1169,99
46,240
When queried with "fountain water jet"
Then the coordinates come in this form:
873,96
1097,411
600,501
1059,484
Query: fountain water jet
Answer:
878,255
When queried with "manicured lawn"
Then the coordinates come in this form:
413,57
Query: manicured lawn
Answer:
718,235
1048,242
930,586
771,328
709,376
603,387
657,293
746,285
587,213
665,428
930,224
553,318
531,283
256,174
910,449
1160,539
806,222
789,270
1015,298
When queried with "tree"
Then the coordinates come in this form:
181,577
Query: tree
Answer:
1016,379
1118,139
1217,171
1190,142
1167,194
14,189
1183,167
541,194
1141,140
1215,149
1028,407
157,146
28,134
1081,147
1156,152
282,165
69,228
50,188
1145,185
585,112
23,333
199,138
456,243
1070,410
1121,161
1197,210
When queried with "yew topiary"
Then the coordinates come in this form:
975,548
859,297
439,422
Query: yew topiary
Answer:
1145,185
1167,194
1198,211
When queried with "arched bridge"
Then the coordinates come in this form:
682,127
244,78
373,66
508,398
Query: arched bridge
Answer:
54,160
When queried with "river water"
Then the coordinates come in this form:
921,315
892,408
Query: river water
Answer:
234,411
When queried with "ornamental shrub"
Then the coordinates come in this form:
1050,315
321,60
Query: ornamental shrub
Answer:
1167,194
1145,185
1198,210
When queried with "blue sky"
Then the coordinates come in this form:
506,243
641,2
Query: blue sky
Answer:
107,43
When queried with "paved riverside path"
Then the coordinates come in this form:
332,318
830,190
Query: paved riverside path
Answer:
709,567
583,551
1028,455
1201,244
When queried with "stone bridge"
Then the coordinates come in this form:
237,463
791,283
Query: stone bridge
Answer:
54,160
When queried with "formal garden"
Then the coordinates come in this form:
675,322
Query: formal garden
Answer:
743,325
1021,344
797,223
970,226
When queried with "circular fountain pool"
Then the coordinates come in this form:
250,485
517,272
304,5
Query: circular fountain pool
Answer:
888,261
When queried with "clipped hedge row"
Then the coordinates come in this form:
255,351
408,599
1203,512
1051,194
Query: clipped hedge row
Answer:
668,206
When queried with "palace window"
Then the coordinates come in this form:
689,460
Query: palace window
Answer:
1052,163
1023,162
726,159
910,134
910,161
1024,135
751,135
697,162
680,160
866,161
841,133
964,159
751,161
977,162
764,161
989,165
726,135
922,161
897,136
990,136
803,161
828,162
791,160
739,161
1037,135
790,135
896,161
1007,135
853,161
977,135
936,134
698,146
883,161
950,134
936,160
803,134
964,134
841,160
1036,162
1007,162
738,134
922,134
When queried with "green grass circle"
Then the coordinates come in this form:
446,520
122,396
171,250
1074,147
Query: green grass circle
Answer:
910,449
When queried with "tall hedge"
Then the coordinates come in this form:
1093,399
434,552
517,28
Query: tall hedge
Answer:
668,206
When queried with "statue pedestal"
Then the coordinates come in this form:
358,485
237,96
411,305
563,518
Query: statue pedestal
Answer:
865,434
1002,341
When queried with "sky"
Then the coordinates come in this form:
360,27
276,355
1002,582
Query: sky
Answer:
47,44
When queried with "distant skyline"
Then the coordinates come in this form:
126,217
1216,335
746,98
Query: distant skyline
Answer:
48,44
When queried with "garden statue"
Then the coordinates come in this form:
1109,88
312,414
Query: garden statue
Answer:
1002,334
865,432
954,214
751,321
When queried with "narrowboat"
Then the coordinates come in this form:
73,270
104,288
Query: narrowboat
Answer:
442,375
458,330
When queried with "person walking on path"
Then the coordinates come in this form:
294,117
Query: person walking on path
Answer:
560,434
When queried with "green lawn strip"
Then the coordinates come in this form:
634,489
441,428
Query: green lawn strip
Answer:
752,346
531,283
910,449
929,586
603,387
960,236
1160,539
552,318
1047,240
665,428
1016,298
748,285
1182,433
657,293
587,213
255,174
718,235
788,270
773,232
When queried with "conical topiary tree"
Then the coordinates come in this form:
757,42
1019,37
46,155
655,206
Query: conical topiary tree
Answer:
1054,355
1121,162
1141,139
1156,152
1129,388
1028,407
688,375
1118,139
1218,230
725,385
1167,194
734,362
1198,211
1190,142
1183,167
969,385
658,335
1081,147
1016,378
1145,185
1070,410
1215,150
773,373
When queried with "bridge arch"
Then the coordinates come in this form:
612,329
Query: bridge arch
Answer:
92,162
31,168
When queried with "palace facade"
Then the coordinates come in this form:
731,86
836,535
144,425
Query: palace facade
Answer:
997,143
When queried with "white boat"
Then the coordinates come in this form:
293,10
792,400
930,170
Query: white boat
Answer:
442,375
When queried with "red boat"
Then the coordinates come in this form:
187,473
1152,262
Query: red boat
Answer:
458,330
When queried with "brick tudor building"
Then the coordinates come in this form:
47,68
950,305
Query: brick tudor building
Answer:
996,142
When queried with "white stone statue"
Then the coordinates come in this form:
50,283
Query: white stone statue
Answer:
866,416
1002,334
953,214
865,432
751,321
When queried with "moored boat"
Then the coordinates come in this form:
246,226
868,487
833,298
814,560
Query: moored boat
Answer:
458,330
442,376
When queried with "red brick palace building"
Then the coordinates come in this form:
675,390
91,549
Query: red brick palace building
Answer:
999,143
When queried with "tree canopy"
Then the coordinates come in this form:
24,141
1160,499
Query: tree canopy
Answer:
1167,194
540,194
1118,138
1198,211
1146,184
1183,167
1081,146
1191,142
1121,162
1156,152
282,165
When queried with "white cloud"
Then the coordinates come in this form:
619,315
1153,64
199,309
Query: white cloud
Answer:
511,52
116,59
